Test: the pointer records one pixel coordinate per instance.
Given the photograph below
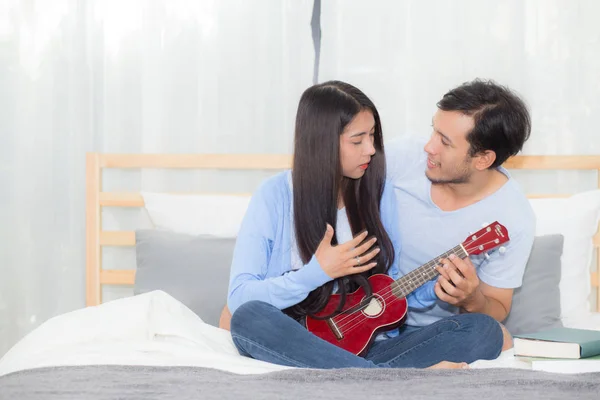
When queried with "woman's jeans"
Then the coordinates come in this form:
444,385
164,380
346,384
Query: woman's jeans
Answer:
263,332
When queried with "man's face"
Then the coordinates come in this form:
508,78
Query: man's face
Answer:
448,159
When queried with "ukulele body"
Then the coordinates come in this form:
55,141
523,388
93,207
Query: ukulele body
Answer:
354,332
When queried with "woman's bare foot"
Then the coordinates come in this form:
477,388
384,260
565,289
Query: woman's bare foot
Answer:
449,365
225,320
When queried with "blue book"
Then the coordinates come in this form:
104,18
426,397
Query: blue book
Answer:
558,343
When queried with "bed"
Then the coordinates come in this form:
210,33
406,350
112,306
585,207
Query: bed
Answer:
157,345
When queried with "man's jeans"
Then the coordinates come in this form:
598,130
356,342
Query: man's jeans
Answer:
263,332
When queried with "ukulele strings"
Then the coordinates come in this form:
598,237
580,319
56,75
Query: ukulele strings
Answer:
357,317
348,319
356,320
385,293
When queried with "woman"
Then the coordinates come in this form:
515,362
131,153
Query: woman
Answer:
322,227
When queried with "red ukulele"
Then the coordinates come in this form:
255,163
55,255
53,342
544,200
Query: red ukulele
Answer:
355,327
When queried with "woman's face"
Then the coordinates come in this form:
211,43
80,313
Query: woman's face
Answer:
357,145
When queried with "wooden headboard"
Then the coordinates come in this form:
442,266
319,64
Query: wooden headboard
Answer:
96,163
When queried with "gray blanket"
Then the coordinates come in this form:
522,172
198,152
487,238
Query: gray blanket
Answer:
148,383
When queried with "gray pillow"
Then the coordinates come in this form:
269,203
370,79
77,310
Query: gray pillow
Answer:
536,304
192,269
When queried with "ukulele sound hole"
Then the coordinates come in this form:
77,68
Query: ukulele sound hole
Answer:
375,307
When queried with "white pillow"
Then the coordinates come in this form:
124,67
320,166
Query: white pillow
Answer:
576,218
216,215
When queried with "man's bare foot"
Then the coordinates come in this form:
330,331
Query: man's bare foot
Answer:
507,342
449,365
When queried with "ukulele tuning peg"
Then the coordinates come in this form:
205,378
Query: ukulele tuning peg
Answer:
502,250
487,255
485,224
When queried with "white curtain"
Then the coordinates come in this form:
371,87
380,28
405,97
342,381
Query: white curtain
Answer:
407,54
225,76
126,76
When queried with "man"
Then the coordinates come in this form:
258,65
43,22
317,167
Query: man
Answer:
452,186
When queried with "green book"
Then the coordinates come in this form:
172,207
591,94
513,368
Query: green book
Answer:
558,343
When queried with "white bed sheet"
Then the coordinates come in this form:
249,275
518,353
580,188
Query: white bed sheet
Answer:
156,329
148,329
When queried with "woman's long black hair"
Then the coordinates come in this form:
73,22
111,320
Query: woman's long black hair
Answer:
323,113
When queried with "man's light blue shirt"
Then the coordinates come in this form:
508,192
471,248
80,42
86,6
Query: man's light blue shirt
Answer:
426,231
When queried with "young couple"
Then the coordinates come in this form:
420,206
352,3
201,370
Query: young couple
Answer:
348,210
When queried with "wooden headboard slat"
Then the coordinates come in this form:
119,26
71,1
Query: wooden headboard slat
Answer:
553,162
93,223
117,238
132,199
197,161
125,199
117,277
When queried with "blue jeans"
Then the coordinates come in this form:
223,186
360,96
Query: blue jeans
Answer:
262,331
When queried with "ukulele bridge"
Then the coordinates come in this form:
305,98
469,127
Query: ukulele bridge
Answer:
334,328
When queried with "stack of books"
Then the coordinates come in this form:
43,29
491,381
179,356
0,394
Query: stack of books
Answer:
560,350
